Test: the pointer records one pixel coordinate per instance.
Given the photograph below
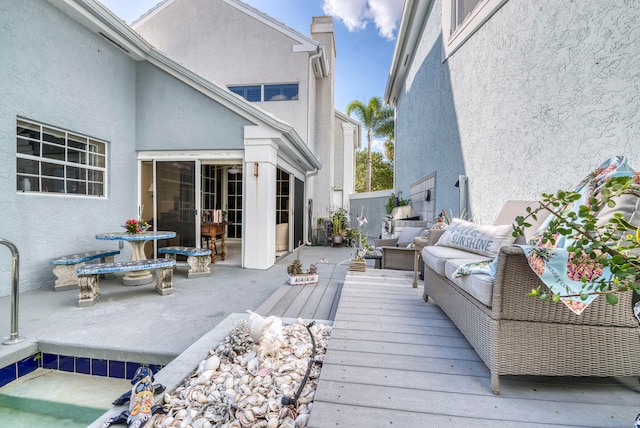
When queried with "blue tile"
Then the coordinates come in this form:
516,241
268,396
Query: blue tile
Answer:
83,365
116,369
131,369
155,368
99,367
67,363
8,374
50,361
27,365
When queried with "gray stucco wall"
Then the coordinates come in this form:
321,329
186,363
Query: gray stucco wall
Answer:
54,71
173,116
541,94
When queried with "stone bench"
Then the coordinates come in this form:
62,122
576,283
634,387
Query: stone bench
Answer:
64,268
198,259
88,276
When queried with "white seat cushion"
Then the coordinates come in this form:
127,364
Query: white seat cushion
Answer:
479,285
435,257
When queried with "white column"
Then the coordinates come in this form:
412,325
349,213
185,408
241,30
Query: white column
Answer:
259,211
349,166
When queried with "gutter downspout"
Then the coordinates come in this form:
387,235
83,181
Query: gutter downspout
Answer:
307,225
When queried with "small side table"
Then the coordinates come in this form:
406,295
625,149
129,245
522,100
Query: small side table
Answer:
374,255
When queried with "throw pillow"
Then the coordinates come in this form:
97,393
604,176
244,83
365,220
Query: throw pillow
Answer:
485,240
407,234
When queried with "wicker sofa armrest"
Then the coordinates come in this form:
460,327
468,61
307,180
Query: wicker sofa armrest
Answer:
434,235
515,278
391,242
398,258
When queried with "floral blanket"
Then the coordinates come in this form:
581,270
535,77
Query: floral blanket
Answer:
555,265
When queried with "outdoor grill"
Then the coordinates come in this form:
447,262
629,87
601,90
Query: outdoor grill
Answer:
404,216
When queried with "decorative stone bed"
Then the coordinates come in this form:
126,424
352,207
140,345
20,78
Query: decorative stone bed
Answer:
261,373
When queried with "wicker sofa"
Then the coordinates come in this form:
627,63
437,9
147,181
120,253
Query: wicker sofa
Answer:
518,335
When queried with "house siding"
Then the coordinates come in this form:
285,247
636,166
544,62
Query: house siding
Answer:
541,94
56,72
173,116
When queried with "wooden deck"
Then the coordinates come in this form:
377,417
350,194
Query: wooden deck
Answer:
395,361
311,302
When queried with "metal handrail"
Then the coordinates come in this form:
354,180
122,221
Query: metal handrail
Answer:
15,264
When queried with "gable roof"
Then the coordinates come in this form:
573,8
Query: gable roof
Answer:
100,20
306,44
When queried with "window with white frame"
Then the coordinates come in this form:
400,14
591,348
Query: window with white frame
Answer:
271,92
54,160
462,18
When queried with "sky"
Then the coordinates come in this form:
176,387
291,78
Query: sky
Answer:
365,32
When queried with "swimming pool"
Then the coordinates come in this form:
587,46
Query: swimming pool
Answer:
27,412
53,398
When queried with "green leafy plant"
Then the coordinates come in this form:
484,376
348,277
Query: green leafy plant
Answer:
594,244
395,201
339,221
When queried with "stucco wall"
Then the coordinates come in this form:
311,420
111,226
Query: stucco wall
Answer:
231,48
536,98
173,116
56,72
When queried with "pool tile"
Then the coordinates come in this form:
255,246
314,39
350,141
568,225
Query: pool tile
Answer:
50,361
116,369
99,367
83,365
131,369
27,365
67,364
8,374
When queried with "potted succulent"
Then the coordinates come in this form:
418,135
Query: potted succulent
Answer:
298,276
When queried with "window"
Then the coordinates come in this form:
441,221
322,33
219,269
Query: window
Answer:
53,160
462,18
249,93
282,197
281,92
276,92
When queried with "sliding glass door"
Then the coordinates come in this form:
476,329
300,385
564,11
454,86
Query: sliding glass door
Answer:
175,194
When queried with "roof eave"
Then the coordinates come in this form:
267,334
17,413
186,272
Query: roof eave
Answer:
414,16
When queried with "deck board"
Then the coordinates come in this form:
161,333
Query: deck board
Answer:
394,360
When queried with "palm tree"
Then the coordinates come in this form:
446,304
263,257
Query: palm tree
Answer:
377,119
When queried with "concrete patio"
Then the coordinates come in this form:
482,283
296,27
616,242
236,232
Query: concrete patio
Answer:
393,360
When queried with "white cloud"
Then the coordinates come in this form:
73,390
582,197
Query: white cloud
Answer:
386,14
351,12
356,13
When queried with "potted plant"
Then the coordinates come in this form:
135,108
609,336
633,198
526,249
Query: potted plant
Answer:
359,241
338,223
298,276
591,226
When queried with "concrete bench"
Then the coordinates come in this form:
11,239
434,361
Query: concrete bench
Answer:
64,268
198,259
88,276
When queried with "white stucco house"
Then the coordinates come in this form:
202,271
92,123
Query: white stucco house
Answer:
98,125
281,71
511,99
